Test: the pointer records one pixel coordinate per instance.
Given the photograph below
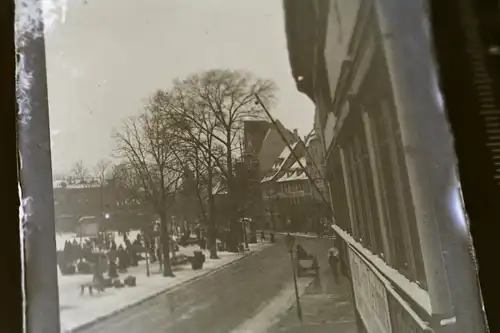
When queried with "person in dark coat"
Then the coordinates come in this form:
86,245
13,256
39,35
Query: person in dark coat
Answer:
132,254
333,261
301,253
112,270
98,279
203,243
67,253
122,259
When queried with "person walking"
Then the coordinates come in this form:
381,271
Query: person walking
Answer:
333,261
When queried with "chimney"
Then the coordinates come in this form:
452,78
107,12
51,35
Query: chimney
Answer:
296,134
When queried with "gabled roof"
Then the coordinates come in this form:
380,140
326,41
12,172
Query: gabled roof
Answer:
287,152
296,172
255,132
292,176
278,166
297,166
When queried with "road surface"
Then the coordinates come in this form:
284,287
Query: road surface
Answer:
217,303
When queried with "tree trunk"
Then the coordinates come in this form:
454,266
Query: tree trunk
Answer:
212,223
234,230
165,243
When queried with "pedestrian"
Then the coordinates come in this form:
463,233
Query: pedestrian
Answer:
98,279
333,261
262,236
112,269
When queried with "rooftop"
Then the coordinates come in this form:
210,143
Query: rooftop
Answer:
278,166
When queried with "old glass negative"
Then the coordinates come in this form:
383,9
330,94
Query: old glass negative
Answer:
238,166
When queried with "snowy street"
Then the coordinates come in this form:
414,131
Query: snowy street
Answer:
79,310
236,299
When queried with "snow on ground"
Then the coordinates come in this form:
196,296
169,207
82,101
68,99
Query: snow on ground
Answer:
269,313
301,234
411,288
77,310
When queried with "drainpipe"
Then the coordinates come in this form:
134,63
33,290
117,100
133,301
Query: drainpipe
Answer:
429,158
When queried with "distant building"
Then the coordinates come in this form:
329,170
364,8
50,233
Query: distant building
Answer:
76,199
261,146
292,202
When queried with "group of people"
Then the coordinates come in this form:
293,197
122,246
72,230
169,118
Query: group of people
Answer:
74,250
91,251
263,236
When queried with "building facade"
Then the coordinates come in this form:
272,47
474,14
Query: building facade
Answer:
74,200
262,144
372,115
292,202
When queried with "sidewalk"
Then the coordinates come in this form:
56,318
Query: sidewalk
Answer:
302,234
78,311
326,307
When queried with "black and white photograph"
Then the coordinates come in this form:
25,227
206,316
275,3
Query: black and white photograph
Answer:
239,166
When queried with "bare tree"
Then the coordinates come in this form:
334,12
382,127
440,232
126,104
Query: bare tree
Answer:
216,103
197,147
126,186
196,127
80,173
148,146
100,170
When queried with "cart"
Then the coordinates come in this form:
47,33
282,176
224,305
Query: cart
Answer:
306,262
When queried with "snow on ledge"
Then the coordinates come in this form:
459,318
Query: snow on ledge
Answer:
412,289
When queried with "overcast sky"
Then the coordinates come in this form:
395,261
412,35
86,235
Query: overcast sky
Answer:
109,56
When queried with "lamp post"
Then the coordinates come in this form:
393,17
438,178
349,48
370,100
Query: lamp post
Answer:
290,242
245,237
146,257
270,202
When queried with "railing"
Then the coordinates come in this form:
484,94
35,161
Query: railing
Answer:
381,308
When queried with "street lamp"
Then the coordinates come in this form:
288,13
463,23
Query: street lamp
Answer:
290,242
146,257
245,237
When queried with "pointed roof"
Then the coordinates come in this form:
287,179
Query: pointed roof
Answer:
278,166
255,131
296,172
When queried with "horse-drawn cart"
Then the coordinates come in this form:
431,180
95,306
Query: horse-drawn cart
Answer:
306,262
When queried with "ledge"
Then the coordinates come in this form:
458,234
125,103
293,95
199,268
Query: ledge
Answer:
389,274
